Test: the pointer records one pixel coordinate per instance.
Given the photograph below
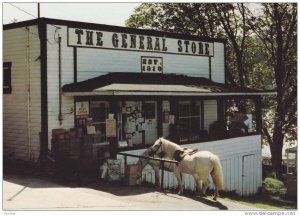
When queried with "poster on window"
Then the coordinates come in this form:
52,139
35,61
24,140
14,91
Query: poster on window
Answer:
82,109
172,119
166,117
110,127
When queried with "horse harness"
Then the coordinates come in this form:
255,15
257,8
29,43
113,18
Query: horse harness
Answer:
153,152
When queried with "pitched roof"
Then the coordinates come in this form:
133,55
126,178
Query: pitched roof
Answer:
123,83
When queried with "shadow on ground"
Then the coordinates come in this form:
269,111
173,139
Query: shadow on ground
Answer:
34,178
119,188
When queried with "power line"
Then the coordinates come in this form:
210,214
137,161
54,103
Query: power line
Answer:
34,17
22,10
30,14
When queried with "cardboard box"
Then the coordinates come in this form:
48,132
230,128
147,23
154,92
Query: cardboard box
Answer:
114,169
131,174
57,132
72,133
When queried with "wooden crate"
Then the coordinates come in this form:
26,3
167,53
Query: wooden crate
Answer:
58,132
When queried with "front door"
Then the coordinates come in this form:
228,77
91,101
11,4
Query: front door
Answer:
150,125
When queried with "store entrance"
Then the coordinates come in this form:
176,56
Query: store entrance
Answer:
150,122
139,122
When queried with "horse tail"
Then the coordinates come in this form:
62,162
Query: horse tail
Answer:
218,173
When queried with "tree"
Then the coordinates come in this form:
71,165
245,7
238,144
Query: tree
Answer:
224,20
276,27
261,52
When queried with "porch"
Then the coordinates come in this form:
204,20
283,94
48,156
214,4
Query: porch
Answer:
127,112
130,110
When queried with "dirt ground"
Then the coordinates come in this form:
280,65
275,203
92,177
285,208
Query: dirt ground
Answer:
35,192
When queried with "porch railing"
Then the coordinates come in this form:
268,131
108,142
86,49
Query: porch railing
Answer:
162,161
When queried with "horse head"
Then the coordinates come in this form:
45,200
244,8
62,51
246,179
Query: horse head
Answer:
156,149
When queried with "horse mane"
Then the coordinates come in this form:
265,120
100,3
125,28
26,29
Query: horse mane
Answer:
169,144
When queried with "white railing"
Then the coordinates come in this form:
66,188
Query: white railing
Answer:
241,163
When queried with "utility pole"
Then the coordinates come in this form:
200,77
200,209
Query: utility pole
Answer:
38,10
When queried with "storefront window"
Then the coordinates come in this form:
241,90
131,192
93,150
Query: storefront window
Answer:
149,109
137,122
189,120
7,77
99,113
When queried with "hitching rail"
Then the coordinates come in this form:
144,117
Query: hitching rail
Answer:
162,161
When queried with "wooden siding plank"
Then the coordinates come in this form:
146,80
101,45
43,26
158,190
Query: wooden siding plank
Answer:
15,121
232,176
218,64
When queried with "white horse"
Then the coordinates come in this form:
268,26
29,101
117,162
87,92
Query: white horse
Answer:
156,165
199,164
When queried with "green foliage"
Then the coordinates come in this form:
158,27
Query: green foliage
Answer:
261,52
274,186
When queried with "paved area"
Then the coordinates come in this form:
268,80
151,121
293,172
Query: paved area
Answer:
37,193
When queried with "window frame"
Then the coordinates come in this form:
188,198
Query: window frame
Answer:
190,116
7,72
98,123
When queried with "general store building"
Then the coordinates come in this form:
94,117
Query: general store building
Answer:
124,88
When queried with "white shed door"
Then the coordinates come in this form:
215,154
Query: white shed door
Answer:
248,178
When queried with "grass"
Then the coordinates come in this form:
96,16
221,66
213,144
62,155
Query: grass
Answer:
272,196
264,202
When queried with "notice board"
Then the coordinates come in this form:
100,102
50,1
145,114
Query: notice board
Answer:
110,127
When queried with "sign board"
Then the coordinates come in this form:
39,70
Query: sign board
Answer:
110,127
78,37
151,64
91,129
82,108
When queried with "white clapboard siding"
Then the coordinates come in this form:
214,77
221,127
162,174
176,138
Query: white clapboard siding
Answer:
96,62
67,75
210,113
218,64
22,108
241,163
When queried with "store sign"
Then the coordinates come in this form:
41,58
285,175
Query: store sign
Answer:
152,64
82,108
79,37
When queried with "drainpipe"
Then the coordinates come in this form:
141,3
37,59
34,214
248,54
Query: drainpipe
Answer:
60,117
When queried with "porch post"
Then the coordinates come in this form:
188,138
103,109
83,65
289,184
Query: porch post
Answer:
113,108
258,114
220,105
159,118
174,111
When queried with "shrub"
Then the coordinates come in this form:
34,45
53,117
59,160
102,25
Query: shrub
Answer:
274,186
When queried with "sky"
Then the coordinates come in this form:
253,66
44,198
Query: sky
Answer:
104,13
